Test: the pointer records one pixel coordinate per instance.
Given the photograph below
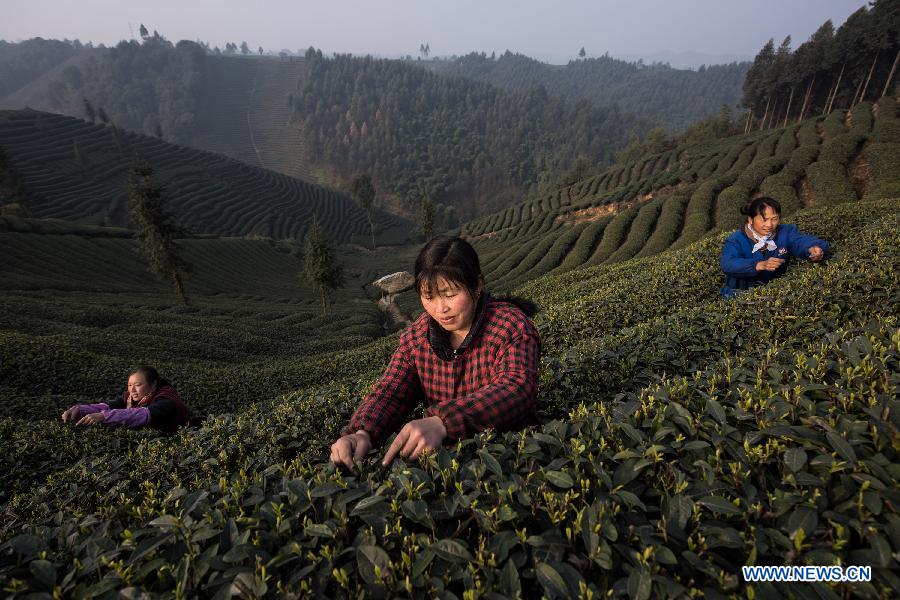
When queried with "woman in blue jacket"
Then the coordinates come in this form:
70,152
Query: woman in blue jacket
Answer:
758,252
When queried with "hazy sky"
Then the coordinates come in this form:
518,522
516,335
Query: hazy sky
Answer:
551,30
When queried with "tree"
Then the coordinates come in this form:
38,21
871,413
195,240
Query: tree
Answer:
89,110
320,266
245,49
364,192
260,51
426,217
582,53
144,33
155,228
81,158
101,114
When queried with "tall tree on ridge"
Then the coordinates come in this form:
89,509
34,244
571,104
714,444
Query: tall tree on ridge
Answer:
155,228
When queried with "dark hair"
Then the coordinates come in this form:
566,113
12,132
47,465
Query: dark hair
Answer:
151,375
757,206
452,258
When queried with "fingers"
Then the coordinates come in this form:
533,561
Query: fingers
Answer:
340,452
396,446
362,448
85,420
413,441
421,447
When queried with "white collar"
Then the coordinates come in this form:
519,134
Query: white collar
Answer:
762,241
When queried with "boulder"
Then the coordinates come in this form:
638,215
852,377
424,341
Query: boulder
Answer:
395,282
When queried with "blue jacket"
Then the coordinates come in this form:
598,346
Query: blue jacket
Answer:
739,261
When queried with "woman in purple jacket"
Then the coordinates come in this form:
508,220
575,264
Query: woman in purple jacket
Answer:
757,253
148,400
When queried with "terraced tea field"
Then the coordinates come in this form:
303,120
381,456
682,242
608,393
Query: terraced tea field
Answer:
676,445
673,199
78,171
681,436
82,310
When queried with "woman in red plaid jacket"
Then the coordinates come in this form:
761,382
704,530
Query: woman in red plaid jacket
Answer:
473,360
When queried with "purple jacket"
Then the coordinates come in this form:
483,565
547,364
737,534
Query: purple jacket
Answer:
165,410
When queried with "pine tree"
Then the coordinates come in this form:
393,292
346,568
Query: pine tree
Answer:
364,193
245,49
80,157
89,110
320,266
155,228
426,217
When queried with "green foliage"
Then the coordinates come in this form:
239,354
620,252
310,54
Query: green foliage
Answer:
833,125
144,87
808,134
668,225
321,268
842,148
585,245
379,116
23,62
209,193
639,232
861,115
155,227
829,70
676,447
734,197
613,236
884,165
426,217
698,218
675,98
788,141
364,192
829,182
887,126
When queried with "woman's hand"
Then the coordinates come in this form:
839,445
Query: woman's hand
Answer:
416,436
816,254
91,419
771,264
351,449
71,414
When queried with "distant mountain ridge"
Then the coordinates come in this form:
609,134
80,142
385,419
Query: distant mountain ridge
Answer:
673,98
259,111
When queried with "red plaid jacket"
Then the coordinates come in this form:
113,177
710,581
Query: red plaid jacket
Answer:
490,381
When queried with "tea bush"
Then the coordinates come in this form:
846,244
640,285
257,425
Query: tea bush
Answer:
677,448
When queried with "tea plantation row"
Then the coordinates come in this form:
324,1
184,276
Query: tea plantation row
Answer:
78,171
675,448
676,197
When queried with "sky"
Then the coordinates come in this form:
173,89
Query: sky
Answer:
683,32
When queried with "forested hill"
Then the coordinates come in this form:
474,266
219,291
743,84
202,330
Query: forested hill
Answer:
463,143
672,98
22,63
833,69
448,138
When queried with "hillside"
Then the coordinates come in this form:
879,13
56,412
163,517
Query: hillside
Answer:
668,200
672,98
681,436
78,171
675,446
